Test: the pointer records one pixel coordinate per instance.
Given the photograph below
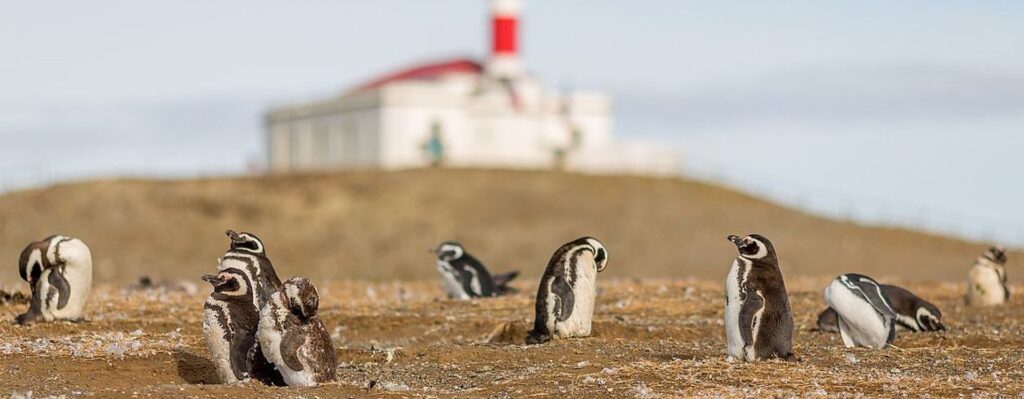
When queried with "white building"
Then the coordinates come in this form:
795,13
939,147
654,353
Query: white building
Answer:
459,113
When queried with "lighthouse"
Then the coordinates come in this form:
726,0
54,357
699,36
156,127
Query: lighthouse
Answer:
504,61
484,112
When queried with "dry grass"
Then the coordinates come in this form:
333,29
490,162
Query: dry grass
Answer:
377,225
653,338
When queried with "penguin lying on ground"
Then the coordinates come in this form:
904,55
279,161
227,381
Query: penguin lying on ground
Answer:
465,277
293,338
912,312
59,271
986,282
229,325
758,319
565,298
866,317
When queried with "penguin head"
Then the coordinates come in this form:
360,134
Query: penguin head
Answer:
303,300
929,318
449,251
996,254
754,246
247,242
600,253
230,282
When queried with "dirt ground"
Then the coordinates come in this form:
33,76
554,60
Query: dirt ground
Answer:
653,338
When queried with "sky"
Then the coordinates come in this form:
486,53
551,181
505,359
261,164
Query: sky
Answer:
907,112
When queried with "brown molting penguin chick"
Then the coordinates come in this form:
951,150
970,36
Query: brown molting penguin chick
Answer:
294,338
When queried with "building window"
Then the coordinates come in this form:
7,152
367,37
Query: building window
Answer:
294,146
350,142
321,145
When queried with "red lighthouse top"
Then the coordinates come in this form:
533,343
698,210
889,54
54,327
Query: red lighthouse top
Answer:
504,26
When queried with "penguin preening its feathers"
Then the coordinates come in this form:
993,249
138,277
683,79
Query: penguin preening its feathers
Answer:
758,318
912,312
293,337
58,270
865,315
465,277
565,298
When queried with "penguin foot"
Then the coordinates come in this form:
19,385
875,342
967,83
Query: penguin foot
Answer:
535,338
790,357
26,319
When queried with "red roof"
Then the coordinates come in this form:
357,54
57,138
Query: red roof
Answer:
424,72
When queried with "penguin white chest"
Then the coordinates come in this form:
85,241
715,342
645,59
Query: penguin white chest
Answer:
984,286
452,286
584,293
859,322
733,304
217,338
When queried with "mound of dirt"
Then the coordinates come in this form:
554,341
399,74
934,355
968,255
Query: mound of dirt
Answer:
377,225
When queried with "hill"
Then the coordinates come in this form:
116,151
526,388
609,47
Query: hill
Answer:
379,225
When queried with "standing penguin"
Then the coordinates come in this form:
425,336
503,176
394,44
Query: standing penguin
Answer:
912,312
294,338
59,271
758,319
465,277
230,321
866,317
986,282
565,298
247,253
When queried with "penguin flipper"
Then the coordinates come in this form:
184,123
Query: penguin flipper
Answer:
871,292
240,346
565,297
57,280
291,342
751,306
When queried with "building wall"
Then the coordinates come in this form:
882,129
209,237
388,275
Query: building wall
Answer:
482,123
318,137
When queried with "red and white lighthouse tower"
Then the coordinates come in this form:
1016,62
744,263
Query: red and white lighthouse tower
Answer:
504,60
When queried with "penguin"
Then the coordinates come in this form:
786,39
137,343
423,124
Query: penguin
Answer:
865,315
247,252
59,271
758,318
465,277
912,312
230,322
565,298
986,281
294,338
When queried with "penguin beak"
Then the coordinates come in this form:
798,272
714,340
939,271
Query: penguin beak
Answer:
233,235
211,278
735,239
